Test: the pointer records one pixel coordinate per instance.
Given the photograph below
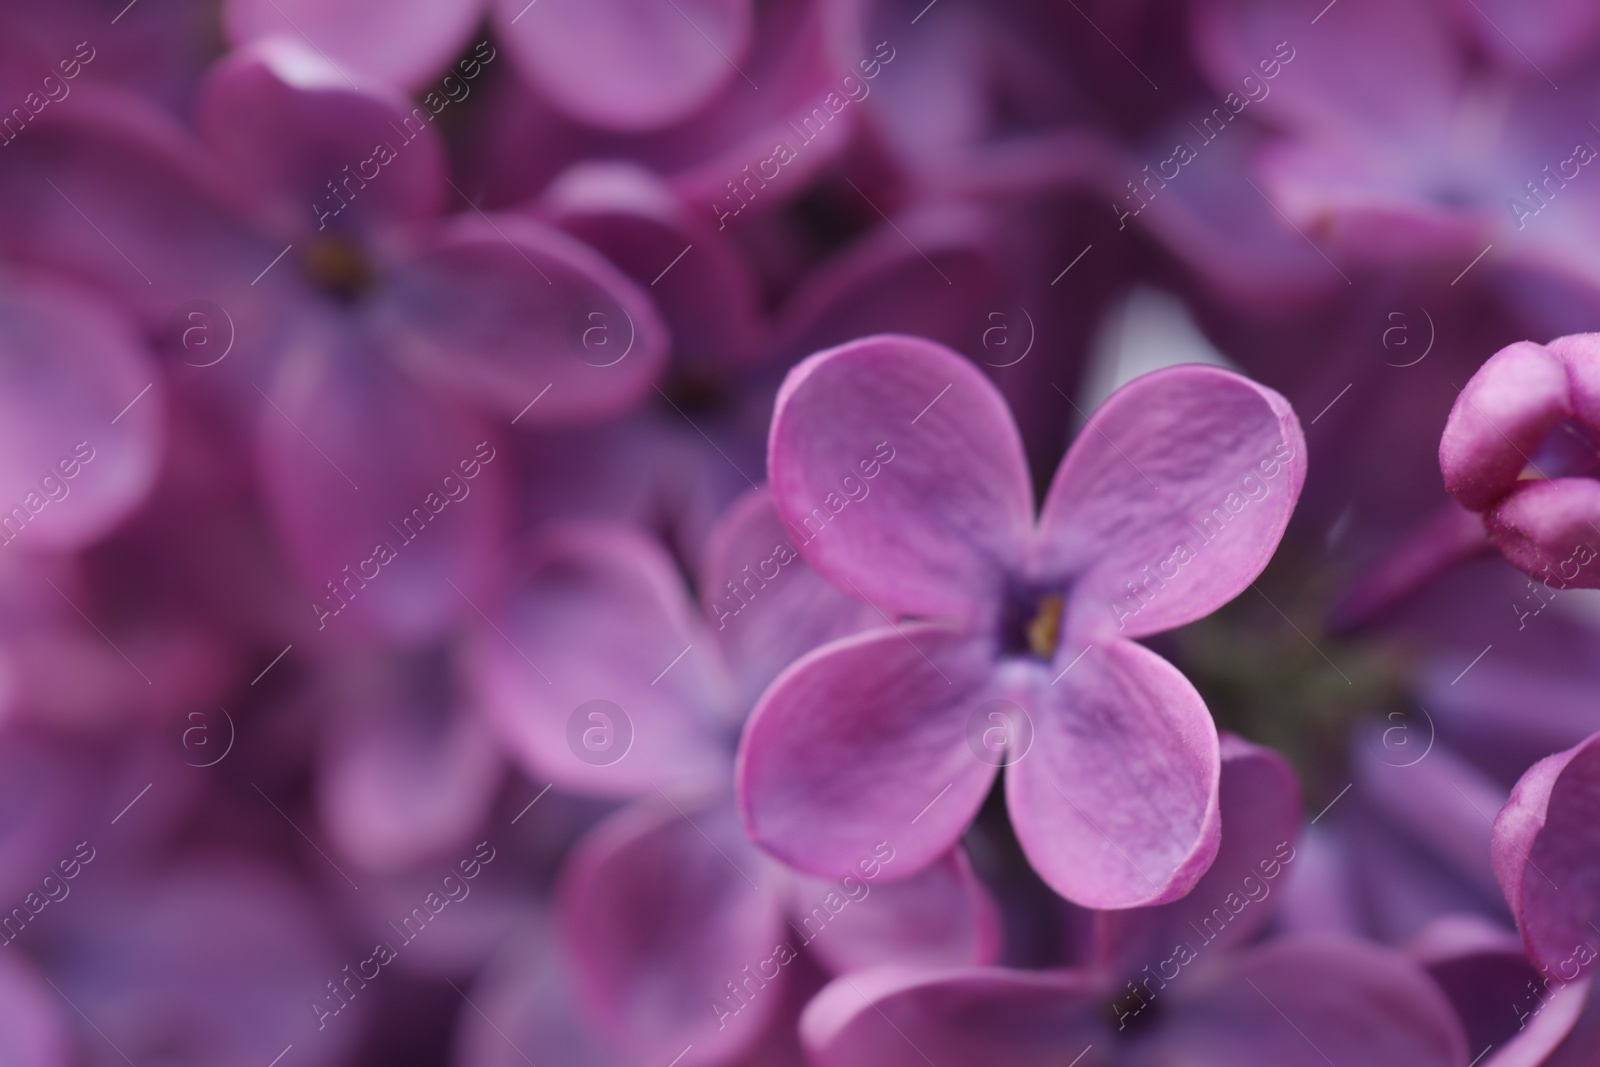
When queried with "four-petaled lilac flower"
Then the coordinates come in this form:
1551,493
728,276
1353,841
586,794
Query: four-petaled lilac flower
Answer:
898,470
1522,447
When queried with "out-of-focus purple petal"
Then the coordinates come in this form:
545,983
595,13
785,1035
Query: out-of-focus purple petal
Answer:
1116,802
83,417
971,1017
602,616
873,725
765,604
899,465
1260,810
942,917
367,475
32,1029
667,912
504,308
294,130
625,65
1171,500
401,44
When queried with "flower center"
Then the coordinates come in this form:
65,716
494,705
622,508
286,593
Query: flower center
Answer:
339,267
1031,624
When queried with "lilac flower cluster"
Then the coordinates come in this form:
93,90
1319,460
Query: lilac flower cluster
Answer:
925,533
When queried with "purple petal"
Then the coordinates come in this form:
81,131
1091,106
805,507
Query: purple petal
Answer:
602,616
898,465
367,475
765,604
626,65
1308,1002
503,308
1544,844
294,130
1547,528
1260,810
861,746
1171,500
82,419
671,921
942,917
32,1030
1115,805
970,1017
403,43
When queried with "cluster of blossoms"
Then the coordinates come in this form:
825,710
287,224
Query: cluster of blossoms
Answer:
848,532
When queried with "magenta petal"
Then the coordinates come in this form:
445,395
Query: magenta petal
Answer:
1171,500
1502,414
405,773
766,606
1545,841
661,907
700,279
401,43
862,745
1260,809
289,124
898,466
78,457
626,64
366,475
597,672
1309,1001
1547,528
505,308
1116,802
971,1017
32,1031
942,917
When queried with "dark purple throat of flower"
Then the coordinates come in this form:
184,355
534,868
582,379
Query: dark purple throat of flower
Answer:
1030,624
339,267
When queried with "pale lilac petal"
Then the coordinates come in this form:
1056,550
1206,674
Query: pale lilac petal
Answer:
602,616
293,130
1308,1002
1546,33
407,771
504,308
403,44
898,465
1115,805
701,281
78,457
765,604
1171,500
942,917
32,1030
661,908
366,474
1545,840
968,1017
863,746
1499,419
1260,809
627,65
